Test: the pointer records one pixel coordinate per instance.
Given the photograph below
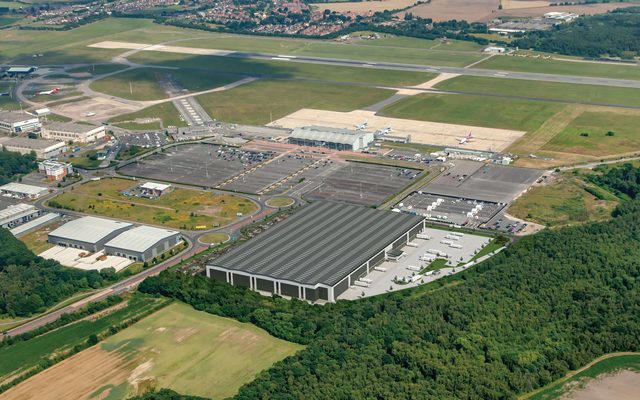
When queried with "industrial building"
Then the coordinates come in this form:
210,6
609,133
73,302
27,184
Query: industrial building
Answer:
333,138
15,122
67,131
317,253
142,243
152,189
87,233
44,149
18,214
20,71
55,170
22,191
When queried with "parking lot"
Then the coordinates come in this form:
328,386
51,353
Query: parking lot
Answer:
487,182
360,183
145,140
382,279
206,165
275,172
469,213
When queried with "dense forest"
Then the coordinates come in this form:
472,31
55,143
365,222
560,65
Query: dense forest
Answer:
623,181
30,284
615,34
548,304
13,165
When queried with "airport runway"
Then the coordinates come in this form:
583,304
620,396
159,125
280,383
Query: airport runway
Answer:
582,80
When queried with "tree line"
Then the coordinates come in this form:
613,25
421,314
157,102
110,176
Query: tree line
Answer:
13,165
546,305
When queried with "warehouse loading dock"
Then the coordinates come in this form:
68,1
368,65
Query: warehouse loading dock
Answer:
318,253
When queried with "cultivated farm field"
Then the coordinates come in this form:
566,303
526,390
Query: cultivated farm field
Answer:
177,347
181,208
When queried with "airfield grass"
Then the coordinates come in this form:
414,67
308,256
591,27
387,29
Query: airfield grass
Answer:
167,112
22,356
544,90
177,347
280,69
98,69
596,126
181,208
134,84
564,202
490,112
559,67
214,238
257,102
557,388
7,102
133,126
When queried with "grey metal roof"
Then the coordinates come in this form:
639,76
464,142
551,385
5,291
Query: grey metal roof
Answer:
16,211
17,187
12,117
88,229
26,143
329,135
70,127
322,243
140,239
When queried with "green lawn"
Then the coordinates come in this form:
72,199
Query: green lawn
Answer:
544,90
24,355
214,238
280,69
181,208
196,353
257,102
98,69
165,111
134,84
526,64
564,202
491,112
556,389
83,160
7,102
596,126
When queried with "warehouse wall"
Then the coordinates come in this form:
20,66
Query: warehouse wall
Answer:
289,290
220,276
265,285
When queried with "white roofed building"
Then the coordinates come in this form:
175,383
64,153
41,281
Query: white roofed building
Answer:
22,191
88,233
18,214
152,189
67,131
15,122
333,138
44,149
142,243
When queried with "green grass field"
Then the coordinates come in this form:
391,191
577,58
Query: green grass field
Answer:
98,69
280,202
564,202
556,389
491,112
181,208
36,241
544,90
7,102
134,84
24,355
596,126
214,238
526,64
193,352
255,103
280,69
83,160
167,112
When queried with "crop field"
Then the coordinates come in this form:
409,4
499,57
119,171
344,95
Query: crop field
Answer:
280,69
563,202
550,66
491,112
445,10
181,208
543,90
260,102
165,112
598,134
607,366
20,357
179,348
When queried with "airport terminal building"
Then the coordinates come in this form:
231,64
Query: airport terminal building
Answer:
317,253
333,138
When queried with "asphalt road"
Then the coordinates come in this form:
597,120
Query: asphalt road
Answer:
583,80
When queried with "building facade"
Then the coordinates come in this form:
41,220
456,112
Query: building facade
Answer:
142,243
67,131
332,138
44,149
22,191
55,170
14,122
18,214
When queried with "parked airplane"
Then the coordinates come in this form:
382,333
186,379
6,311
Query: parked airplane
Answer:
48,92
362,126
5,94
466,139
387,130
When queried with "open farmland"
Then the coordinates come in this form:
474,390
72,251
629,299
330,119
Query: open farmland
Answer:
181,208
543,90
260,102
177,347
446,10
474,110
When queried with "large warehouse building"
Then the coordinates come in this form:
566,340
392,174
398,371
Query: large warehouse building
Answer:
333,138
68,131
142,243
44,149
87,233
317,253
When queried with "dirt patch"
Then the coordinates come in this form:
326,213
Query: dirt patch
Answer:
445,10
183,334
422,132
95,109
622,385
